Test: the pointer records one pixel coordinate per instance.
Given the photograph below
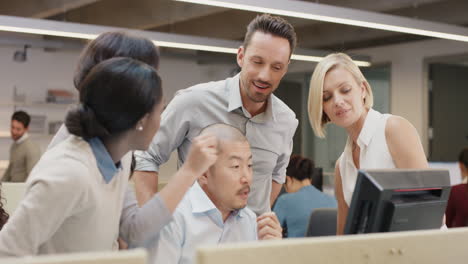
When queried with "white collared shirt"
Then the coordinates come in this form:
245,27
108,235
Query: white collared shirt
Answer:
270,133
197,222
374,153
22,138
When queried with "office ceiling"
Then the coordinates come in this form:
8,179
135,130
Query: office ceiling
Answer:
200,20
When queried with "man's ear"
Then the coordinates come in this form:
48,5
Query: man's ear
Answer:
203,180
240,56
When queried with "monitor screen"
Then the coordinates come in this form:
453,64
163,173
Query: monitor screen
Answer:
398,200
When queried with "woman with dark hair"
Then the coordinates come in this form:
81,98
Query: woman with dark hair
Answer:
77,195
294,208
3,213
457,208
106,46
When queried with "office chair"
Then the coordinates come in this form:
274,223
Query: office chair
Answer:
322,222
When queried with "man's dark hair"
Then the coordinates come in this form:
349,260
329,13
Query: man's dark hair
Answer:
21,117
273,25
300,167
115,44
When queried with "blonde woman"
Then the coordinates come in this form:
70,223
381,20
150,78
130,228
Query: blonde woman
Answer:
340,94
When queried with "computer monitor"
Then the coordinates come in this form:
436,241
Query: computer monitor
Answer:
398,200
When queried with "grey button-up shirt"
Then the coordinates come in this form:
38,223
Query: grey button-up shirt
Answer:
269,133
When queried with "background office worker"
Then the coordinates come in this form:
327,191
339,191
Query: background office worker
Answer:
24,152
293,208
244,101
457,206
339,93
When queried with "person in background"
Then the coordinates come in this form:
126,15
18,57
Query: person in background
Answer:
77,194
245,101
214,210
339,93
457,207
24,152
294,207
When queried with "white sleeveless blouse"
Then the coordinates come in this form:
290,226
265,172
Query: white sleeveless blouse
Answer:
374,152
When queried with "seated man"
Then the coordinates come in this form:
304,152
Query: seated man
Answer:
214,210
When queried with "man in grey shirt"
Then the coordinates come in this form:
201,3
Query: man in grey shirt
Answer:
24,152
244,101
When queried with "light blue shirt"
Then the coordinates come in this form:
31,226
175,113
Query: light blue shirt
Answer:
104,161
270,133
197,222
293,209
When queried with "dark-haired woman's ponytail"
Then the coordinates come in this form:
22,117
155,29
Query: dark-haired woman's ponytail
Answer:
81,121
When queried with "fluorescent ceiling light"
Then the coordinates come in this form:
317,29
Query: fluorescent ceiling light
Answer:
347,16
82,31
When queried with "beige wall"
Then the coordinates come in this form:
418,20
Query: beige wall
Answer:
409,92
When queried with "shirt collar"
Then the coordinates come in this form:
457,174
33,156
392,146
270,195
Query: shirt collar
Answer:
22,138
103,159
235,102
201,203
369,127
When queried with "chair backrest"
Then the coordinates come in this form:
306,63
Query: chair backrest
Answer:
137,256
12,193
322,222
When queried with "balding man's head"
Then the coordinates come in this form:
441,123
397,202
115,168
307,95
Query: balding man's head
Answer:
227,182
224,133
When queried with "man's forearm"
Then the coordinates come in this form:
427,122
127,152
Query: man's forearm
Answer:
275,190
146,185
